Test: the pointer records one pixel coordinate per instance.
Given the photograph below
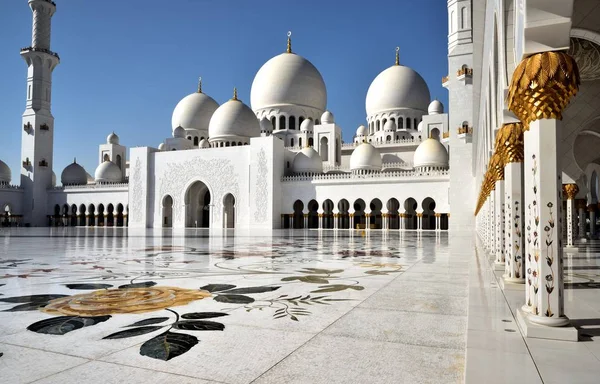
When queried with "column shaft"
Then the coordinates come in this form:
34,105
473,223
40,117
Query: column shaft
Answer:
499,221
513,203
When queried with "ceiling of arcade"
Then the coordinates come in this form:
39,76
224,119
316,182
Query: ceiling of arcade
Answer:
581,120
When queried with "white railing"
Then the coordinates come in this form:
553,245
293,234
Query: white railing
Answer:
91,186
346,168
412,141
371,175
9,186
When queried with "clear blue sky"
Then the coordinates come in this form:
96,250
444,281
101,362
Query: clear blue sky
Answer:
126,63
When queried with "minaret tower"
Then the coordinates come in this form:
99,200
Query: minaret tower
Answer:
38,122
459,83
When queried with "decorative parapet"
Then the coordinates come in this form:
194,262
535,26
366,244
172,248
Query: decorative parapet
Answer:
44,50
446,135
9,186
371,175
346,168
91,186
464,72
411,141
445,81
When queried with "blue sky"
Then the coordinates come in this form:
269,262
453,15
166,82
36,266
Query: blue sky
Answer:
126,64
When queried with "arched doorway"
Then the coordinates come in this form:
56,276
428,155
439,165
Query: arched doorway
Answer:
298,220
313,215
91,215
359,214
82,216
197,205
375,217
101,215
393,205
328,214
110,216
428,220
167,211
120,221
410,212
229,211
324,149
344,220
73,217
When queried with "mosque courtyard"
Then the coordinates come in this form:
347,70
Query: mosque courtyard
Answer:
111,304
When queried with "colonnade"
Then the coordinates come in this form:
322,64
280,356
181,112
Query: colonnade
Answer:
519,212
90,216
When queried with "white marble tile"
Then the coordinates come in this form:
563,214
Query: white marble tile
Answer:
336,359
108,373
499,367
237,355
25,365
414,328
399,299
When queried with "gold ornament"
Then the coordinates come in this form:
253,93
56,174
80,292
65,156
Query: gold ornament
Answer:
570,190
542,86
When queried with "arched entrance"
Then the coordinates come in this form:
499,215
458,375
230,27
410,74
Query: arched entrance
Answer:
393,205
120,220
410,213
82,216
197,205
313,215
324,149
328,214
344,220
101,215
428,206
359,214
375,216
92,215
298,220
167,212
229,211
110,215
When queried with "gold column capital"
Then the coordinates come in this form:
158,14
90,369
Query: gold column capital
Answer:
542,86
570,190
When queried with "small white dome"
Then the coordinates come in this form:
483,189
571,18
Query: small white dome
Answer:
365,157
108,172
288,79
112,139
327,118
307,161
431,153
420,127
265,125
194,111
233,118
397,87
161,146
389,126
307,125
74,174
5,174
435,108
361,131
179,133
204,144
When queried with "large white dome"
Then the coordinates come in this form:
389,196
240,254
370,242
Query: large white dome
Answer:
365,157
307,161
233,118
194,111
74,174
108,172
395,88
5,174
288,79
431,153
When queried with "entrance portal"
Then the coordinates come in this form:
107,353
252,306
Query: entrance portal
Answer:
197,206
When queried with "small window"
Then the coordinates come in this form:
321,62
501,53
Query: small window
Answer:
292,142
299,141
29,92
292,122
282,122
407,123
288,164
196,140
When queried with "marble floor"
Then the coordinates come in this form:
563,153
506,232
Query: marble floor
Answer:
85,305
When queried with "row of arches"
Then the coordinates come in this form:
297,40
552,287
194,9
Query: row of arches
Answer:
361,214
377,125
198,208
92,215
288,122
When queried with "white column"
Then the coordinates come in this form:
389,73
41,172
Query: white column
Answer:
582,217
542,166
367,220
401,220
499,221
419,221
351,219
592,211
513,208
305,221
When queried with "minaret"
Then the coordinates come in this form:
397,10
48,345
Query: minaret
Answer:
459,83
38,122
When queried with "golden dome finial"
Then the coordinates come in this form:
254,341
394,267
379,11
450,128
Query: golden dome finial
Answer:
200,85
234,94
289,42
397,55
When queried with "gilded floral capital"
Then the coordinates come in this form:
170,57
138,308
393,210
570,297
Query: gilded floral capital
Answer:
542,86
570,191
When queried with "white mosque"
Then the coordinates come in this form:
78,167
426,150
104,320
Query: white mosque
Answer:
279,162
